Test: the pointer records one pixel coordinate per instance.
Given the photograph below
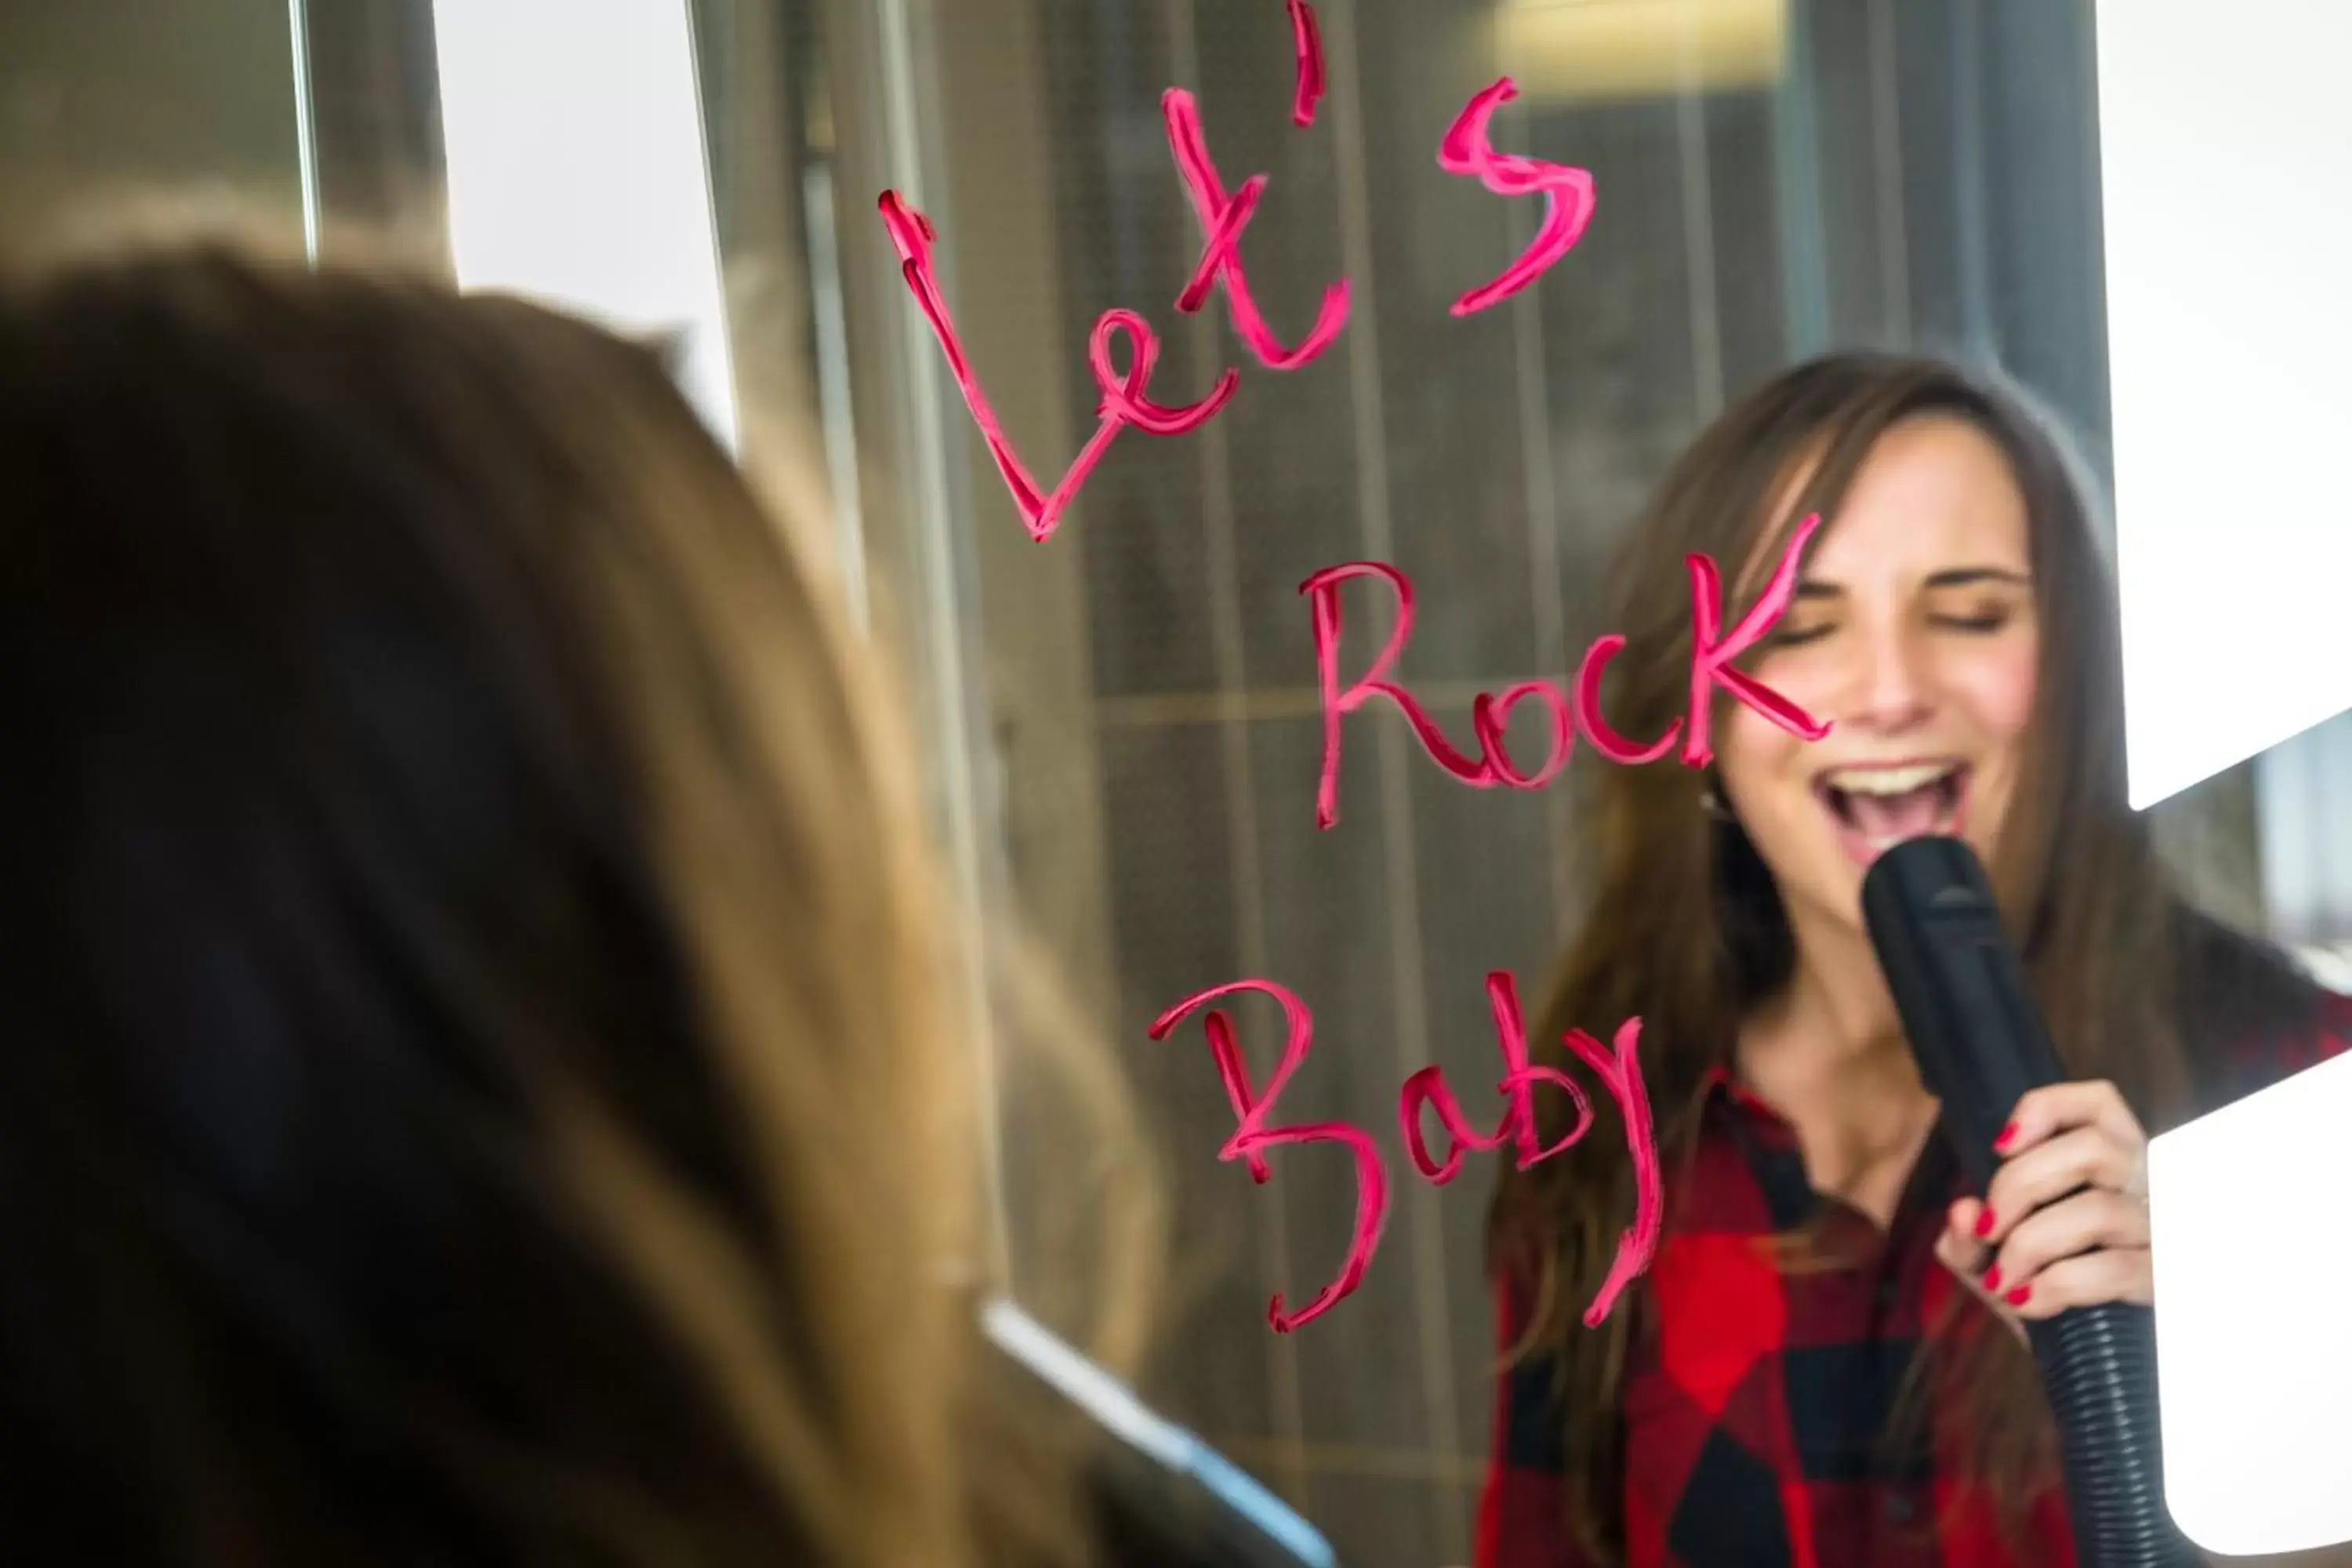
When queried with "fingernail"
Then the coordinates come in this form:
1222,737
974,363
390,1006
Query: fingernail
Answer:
1985,1223
1992,1279
2008,1136
2016,1297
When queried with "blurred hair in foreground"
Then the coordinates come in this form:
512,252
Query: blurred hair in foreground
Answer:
480,1086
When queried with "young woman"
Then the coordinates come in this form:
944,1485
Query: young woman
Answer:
476,1088
1825,1363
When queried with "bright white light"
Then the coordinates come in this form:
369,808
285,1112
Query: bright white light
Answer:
2222,133
2254,1346
306,130
572,131
1110,1402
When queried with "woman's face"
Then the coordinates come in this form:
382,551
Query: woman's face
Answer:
1914,635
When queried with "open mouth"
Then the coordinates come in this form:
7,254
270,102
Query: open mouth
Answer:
1878,806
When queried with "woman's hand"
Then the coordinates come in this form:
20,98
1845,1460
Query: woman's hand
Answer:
2064,1223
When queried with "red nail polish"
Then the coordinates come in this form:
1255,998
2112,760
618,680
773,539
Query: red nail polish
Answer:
2016,1297
1985,1223
1992,1279
2008,1136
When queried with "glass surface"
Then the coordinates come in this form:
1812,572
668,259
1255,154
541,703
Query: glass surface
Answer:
1122,726
114,99
1773,180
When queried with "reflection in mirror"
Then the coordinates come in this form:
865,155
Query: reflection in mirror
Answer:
1774,181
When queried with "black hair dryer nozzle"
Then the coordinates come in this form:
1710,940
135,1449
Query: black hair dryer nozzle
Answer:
1962,991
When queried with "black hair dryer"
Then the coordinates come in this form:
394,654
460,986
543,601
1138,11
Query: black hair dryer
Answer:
1980,1044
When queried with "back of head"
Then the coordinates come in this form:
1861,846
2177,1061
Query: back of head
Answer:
472,1091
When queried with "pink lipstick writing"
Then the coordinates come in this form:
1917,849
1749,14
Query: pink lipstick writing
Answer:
1225,216
1616,1067
1307,43
1569,196
1124,398
1712,653
1223,219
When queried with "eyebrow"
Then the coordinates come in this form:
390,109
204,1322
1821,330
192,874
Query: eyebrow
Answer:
1958,578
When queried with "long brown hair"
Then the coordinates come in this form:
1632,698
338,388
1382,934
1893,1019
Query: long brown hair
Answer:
477,1086
1686,930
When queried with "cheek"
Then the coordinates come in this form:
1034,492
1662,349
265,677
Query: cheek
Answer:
1753,753
1757,759
1996,689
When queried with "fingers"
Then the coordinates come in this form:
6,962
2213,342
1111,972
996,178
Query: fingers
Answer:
1960,1248
2060,1138
2043,1113
2067,1162
2065,1217
2112,1274
2050,1235
2089,1250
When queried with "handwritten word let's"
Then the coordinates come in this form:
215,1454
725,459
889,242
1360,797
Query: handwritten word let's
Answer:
1615,1065
1124,396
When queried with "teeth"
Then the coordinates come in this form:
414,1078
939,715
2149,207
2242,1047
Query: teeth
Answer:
1889,780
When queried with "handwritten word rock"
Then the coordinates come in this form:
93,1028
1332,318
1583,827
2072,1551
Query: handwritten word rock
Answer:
1615,1065
1712,653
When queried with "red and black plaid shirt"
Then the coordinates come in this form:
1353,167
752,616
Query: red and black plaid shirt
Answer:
1755,1412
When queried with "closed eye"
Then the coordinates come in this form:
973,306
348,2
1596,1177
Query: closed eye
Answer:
1797,636
1989,621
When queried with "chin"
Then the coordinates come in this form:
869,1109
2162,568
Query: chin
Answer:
1845,908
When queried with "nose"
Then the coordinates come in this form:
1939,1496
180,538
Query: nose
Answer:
1886,686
